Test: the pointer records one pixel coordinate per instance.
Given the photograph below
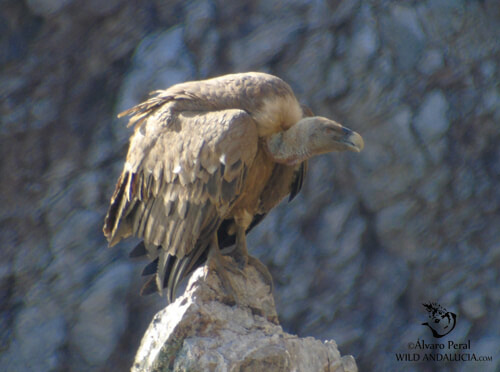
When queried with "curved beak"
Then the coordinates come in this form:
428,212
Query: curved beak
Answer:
352,140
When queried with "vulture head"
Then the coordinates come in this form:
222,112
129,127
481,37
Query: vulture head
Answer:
312,136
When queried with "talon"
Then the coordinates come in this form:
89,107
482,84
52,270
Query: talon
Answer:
241,260
263,270
240,253
222,267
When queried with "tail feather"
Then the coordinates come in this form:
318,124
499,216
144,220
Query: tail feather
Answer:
184,266
150,268
175,277
174,269
149,287
139,251
115,226
174,272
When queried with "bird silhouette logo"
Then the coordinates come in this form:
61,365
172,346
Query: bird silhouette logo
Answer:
441,321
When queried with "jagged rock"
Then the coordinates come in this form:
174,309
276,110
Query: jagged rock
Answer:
204,330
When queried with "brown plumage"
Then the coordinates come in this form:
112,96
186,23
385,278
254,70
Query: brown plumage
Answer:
207,161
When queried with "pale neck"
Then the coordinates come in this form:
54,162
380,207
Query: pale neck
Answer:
289,147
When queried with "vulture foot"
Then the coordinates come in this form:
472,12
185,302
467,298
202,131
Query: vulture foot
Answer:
217,262
263,270
242,258
245,259
227,270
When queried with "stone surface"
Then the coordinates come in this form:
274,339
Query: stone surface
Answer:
365,41
431,122
203,330
263,44
47,7
316,47
101,318
403,34
160,60
412,218
431,61
40,332
336,83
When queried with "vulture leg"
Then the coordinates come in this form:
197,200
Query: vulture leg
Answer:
240,253
242,257
215,257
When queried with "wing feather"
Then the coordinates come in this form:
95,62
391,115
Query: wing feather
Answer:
298,181
181,177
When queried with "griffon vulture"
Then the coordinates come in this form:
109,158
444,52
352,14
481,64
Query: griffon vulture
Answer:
207,161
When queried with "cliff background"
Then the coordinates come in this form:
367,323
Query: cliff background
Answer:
414,218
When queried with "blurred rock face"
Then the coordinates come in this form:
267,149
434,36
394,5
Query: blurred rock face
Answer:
413,218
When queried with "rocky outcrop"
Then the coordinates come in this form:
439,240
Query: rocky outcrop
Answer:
204,330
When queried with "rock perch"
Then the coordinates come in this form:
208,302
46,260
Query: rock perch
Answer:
203,330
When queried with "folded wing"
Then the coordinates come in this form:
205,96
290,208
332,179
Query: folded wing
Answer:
184,171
